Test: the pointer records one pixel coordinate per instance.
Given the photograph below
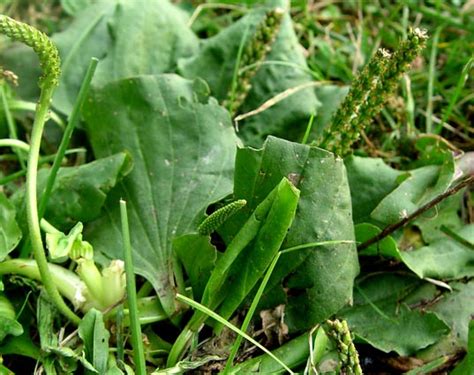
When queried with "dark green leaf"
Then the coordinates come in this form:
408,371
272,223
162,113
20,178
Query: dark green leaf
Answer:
183,148
323,282
130,37
10,233
79,192
96,340
198,257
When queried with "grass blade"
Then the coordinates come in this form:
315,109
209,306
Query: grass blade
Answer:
221,320
137,343
74,119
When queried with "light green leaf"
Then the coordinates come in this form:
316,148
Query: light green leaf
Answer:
380,318
215,63
444,258
387,247
8,323
370,180
96,340
420,186
323,214
183,147
10,233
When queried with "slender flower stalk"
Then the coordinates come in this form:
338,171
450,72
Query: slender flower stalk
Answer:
50,64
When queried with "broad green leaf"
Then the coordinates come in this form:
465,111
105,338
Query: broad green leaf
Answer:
198,257
79,192
8,322
10,233
380,318
444,258
455,308
129,37
183,147
215,63
447,215
96,340
370,181
321,278
420,186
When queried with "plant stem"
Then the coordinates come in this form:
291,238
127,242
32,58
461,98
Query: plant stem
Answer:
137,343
32,208
393,227
14,143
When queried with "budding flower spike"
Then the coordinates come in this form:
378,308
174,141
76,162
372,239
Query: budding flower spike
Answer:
254,54
219,217
45,49
374,85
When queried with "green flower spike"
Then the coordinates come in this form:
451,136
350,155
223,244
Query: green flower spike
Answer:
377,81
217,218
339,331
254,54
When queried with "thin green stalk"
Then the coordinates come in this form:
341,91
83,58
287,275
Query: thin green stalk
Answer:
308,130
15,144
74,119
11,177
32,208
11,125
203,309
137,343
250,313
431,78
